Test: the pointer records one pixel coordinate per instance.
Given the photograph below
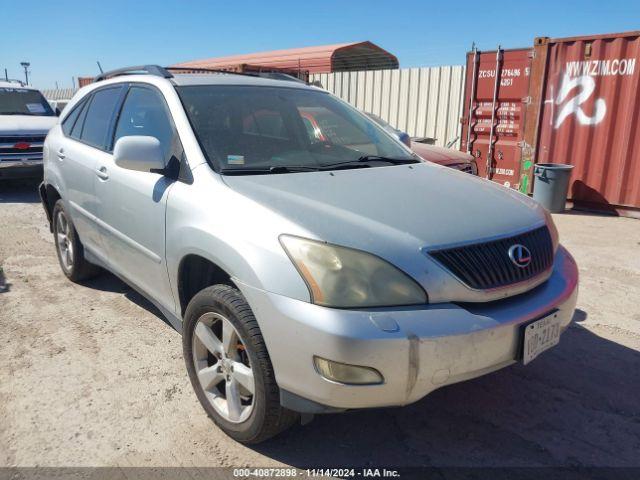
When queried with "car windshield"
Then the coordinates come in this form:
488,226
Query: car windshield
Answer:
23,101
247,129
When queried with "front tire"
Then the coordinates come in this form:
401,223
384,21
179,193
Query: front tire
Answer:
229,366
69,248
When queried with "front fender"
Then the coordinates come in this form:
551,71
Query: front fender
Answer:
242,240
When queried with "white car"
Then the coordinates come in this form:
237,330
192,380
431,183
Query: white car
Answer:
25,119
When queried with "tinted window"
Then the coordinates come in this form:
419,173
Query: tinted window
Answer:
99,115
144,112
334,128
23,101
265,123
242,127
69,122
76,130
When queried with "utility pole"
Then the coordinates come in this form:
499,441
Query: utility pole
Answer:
26,65
6,75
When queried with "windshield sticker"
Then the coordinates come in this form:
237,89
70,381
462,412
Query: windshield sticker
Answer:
235,159
36,108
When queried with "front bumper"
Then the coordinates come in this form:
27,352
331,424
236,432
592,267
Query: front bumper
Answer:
27,168
417,350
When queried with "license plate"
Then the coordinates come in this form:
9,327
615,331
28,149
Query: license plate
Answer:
539,336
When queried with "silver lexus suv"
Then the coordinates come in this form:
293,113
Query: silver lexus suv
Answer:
307,275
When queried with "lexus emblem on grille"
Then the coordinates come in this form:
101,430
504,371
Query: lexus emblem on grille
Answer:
520,255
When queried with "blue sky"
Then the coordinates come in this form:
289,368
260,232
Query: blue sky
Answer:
62,38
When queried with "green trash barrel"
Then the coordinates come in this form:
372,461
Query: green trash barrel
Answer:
551,185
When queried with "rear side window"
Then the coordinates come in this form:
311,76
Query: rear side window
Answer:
77,127
144,112
99,116
70,121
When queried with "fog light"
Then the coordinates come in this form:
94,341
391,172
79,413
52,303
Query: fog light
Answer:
349,374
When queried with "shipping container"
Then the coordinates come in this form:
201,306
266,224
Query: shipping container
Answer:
590,117
494,108
567,100
84,81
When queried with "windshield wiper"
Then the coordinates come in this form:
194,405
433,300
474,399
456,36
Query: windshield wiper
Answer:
363,161
267,170
395,161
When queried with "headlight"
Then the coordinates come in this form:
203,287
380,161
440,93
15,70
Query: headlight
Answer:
347,278
555,237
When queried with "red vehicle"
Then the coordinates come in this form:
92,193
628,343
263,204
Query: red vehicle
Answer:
326,126
440,155
446,156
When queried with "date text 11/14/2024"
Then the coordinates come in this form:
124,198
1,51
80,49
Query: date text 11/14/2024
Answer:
316,472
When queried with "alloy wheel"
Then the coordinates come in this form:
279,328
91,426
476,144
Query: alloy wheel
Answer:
64,241
223,367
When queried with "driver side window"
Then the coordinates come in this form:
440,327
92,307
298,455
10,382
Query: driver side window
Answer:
145,113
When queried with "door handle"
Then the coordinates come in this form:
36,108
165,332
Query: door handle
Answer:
61,154
102,173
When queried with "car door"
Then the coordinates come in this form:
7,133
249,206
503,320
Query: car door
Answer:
85,136
133,203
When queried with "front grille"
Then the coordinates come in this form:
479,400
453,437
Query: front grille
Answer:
8,150
487,265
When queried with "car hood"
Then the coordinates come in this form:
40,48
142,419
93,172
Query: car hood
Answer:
377,209
26,124
440,155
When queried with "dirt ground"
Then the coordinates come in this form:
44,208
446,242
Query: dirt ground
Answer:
90,375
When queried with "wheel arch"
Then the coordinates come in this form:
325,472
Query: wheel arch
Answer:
195,273
49,196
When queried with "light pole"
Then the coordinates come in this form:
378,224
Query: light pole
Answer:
25,65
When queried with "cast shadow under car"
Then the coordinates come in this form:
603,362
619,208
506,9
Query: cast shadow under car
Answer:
108,282
19,190
572,406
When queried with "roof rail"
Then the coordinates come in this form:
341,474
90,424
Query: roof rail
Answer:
274,75
212,70
156,70
164,72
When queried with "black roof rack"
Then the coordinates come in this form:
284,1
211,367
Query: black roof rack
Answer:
164,72
213,70
148,69
273,74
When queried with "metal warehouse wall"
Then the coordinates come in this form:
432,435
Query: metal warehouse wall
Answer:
424,102
59,93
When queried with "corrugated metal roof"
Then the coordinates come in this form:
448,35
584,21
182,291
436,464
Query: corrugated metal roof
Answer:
319,59
59,93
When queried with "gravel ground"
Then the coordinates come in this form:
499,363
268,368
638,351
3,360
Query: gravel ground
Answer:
90,375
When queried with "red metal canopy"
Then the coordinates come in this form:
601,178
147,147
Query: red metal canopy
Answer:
320,59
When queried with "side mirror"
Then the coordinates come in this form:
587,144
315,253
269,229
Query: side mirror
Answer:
405,138
140,153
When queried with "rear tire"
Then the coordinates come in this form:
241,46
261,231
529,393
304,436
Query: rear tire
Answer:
69,248
220,312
